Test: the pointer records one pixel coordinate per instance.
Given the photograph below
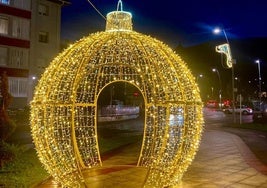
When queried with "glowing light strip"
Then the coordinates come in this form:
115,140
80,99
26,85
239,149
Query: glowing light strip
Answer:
225,49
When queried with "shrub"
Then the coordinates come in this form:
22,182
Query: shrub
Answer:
23,169
9,153
7,128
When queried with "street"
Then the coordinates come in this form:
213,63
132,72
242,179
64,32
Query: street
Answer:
213,116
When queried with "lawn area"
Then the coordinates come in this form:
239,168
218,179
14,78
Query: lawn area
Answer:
110,139
24,171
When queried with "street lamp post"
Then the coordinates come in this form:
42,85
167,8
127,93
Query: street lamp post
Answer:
225,49
259,69
220,91
233,91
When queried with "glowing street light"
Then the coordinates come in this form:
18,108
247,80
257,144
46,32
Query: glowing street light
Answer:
226,50
259,69
220,91
218,30
199,76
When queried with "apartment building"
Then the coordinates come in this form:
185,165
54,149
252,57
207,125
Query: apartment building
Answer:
29,40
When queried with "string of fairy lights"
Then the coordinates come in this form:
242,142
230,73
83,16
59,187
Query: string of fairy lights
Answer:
64,108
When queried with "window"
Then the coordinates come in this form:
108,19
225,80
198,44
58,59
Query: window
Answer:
18,58
3,56
3,25
22,4
43,9
18,86
43,37
6,2
16,30
21,28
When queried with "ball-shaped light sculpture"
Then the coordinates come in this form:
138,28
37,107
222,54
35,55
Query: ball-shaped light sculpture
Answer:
64,107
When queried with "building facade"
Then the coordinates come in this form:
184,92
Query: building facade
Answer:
29,40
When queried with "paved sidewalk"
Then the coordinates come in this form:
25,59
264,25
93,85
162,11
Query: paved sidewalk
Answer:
222,161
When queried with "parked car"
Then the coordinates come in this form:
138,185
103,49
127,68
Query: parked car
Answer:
243,109
212,104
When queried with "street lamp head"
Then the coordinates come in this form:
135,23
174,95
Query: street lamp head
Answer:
217,30
257,61
214,70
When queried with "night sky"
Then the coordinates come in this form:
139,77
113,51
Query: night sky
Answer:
186,22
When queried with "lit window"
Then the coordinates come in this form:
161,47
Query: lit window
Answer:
3,25
43,37
3,56
43,9
18,86
7,2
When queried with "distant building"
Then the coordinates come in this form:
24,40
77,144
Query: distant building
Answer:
29,40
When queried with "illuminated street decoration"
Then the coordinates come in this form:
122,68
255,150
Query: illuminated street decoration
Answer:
64,108
225,49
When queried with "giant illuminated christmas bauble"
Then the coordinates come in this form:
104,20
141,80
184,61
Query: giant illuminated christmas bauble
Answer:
64,108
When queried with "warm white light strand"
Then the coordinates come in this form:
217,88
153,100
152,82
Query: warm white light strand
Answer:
64,108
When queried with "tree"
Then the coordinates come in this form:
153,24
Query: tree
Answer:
7,126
